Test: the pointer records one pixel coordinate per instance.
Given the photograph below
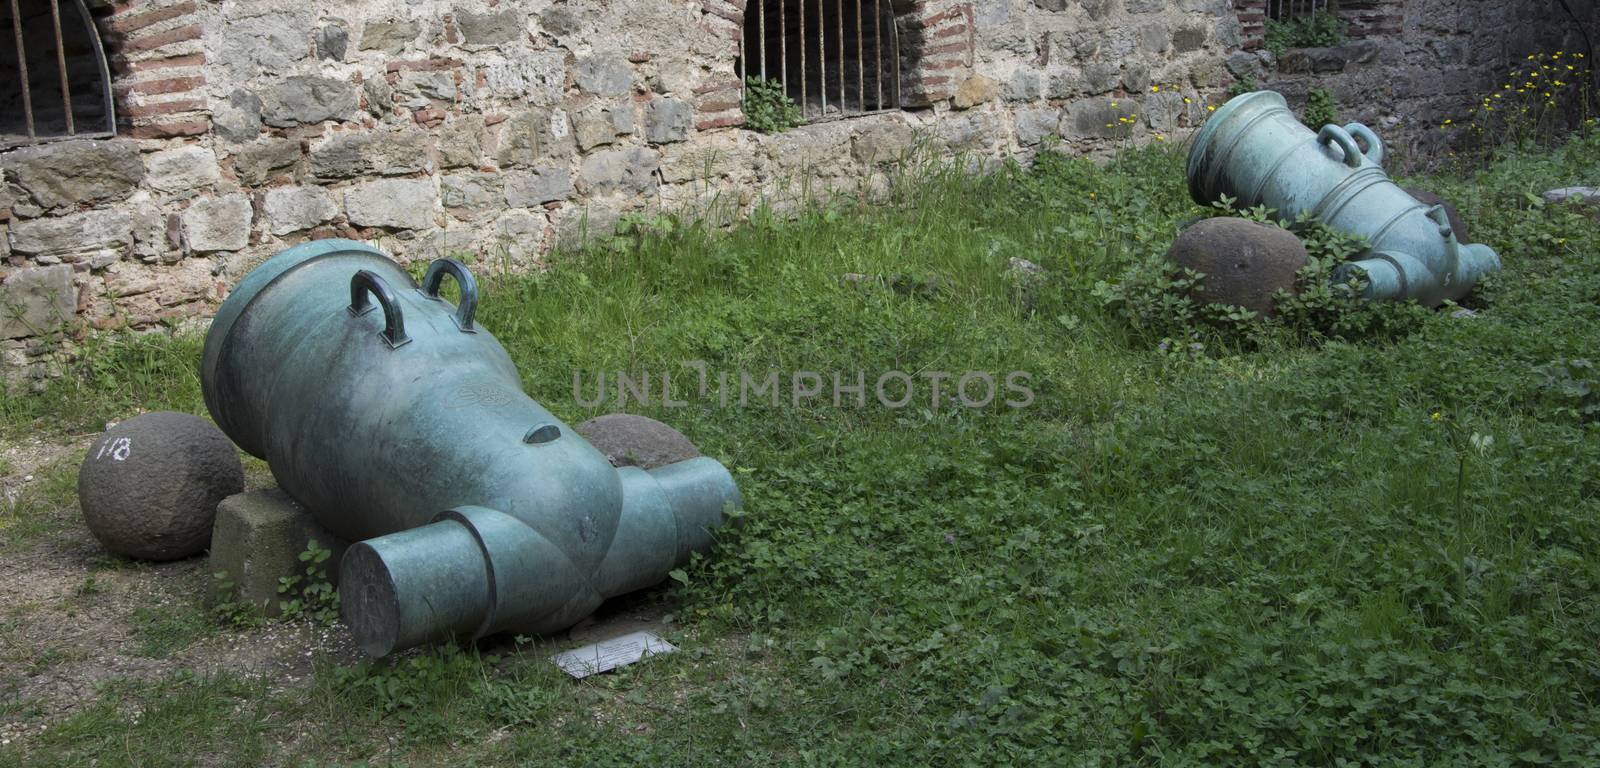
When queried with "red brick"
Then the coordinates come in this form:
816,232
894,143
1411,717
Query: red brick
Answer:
722,28
170,85
717,85
724,11
122,65
942,66
170,130
718,106
720,122
932,51
945,15
122,24
423,65
158,40
161,108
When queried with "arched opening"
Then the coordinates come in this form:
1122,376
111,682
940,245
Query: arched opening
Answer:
834,58
54,84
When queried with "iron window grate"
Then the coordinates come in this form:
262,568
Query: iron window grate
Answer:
55,84
834,58
1284,10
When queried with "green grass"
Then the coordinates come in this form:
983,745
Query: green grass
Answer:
1273,554
163,630
34,510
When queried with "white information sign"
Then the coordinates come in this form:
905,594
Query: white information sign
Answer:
607,655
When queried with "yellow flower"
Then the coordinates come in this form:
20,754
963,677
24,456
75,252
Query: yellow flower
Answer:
1447,121
1186,100
1155,88
1211,109
1437,416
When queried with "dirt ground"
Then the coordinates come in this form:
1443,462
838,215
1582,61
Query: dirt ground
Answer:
73,616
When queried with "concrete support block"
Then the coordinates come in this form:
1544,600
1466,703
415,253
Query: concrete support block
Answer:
258,538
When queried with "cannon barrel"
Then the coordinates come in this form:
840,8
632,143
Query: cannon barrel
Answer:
400,423
1253,149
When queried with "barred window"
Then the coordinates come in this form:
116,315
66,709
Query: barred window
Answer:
1284,10
834,58
53,78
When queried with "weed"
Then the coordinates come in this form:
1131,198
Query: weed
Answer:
1156,298
767,108
310,595
1321,108
1242,86
1573,387
1540,100
226,610
1315,30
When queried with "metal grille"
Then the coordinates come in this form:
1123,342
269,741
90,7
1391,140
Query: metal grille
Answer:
54,83
834,58
1284,10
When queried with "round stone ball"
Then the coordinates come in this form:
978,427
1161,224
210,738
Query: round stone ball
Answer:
1458,225
637,441
149,487
1244,262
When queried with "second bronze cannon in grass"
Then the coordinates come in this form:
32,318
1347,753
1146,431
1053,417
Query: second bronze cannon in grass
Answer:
1256,152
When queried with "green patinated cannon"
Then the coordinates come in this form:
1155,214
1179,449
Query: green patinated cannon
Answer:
1253,149
401,424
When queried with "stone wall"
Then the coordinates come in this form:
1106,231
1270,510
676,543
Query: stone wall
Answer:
502,128
1410,65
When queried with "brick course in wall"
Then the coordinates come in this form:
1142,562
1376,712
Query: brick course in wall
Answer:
155,52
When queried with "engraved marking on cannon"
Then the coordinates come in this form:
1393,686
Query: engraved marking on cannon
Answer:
488,395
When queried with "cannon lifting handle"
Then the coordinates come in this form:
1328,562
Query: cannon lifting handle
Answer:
1374,144
1335,135
365,283
467,306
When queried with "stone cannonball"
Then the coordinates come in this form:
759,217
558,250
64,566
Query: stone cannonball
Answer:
637,441
149,486
1457,224
1244,262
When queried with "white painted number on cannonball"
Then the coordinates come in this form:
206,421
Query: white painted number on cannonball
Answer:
117,449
